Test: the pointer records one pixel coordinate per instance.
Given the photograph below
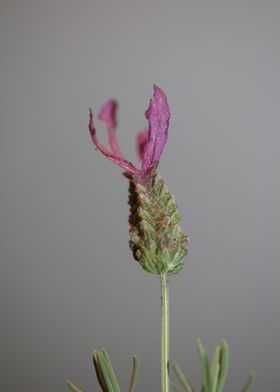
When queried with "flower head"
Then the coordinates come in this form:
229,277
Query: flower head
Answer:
155,237
150,142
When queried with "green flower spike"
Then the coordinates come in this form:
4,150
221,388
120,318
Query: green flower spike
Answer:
156,239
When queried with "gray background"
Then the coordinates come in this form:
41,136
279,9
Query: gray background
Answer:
68,281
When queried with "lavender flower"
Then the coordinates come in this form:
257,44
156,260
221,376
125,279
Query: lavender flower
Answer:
155,237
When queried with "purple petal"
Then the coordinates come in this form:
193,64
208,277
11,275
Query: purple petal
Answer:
116,159
141,141
107,115
158,115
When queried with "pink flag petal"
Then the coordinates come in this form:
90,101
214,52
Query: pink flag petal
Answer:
107,115
141,141
116,159
158,115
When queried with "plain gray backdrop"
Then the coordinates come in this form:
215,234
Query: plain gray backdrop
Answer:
68,280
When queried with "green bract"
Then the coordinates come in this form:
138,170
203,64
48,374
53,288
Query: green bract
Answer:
156,239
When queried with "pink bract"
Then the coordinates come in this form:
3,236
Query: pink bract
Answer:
150,143
141,141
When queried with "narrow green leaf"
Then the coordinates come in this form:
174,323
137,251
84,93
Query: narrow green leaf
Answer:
248,382
224,359
215,378
205,369
174,387
133,380
105,372
215,359
72,386
99,374
215,368
182,378
111,372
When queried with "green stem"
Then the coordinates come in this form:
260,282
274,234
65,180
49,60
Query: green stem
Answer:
164,331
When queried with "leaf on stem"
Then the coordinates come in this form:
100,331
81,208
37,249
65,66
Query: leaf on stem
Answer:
181,376
72,386
224,359
105,372
248,382
135,366
174,387
205,368
215,368
99,373
111,371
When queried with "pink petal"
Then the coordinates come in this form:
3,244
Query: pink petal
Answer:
107,115
117,160
141,141
158,115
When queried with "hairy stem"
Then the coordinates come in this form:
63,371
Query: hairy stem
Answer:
164,331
